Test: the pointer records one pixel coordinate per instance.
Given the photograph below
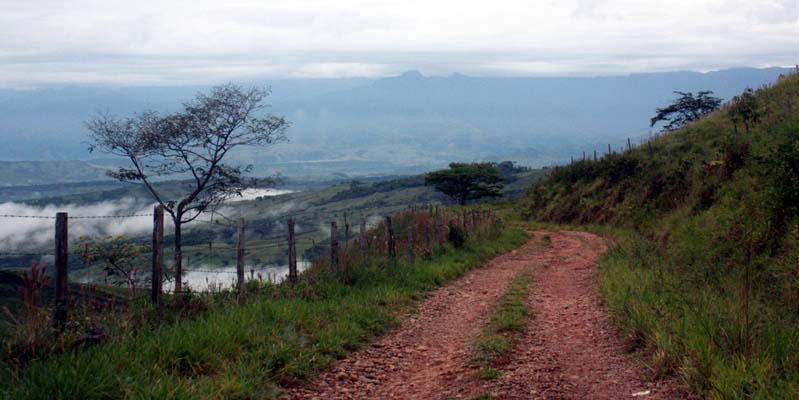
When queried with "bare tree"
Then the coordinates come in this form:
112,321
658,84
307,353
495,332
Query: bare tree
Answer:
191,144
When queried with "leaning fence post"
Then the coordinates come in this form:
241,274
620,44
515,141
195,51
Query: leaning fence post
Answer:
158,255
240,258
629,145
609,150
364,243
392,250
292,253
333,247
61,256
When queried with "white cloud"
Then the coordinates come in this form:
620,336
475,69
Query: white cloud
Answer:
202,41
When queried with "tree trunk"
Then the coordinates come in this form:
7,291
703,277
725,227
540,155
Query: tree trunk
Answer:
178,260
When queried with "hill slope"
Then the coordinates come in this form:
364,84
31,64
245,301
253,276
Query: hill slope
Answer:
706,275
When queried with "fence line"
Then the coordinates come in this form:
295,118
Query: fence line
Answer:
422,228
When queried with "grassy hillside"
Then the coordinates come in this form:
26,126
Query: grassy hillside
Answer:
707,219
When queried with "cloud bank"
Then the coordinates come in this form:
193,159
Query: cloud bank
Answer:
203,41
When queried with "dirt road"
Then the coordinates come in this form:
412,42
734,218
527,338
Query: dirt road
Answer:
569,349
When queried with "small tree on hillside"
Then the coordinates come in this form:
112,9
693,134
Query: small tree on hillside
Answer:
120,257
744,109
191,144
687,108
467,181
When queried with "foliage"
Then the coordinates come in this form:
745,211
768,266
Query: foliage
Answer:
357,189
193,143
120,257
278,336
510,170
687,108
456,235
744,109
467,181
705,278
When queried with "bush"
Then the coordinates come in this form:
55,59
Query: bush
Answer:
457,236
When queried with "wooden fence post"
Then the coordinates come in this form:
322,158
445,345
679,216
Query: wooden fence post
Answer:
629,145
240,258
346,230
392,249
61,264
595,155
158,256
428,239
333,247
411,254
583,155
364,243
609,150
292,252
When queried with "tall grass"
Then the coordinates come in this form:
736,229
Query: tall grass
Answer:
693,329
281,335
709,283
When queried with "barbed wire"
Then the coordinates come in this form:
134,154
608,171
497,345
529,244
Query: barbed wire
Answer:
76,217
110,216
14,254
25,216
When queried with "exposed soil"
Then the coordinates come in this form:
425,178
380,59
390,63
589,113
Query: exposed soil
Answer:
569,350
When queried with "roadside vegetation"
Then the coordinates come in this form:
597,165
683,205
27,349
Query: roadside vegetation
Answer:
705,277
222,346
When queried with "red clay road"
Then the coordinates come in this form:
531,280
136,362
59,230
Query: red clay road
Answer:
569,349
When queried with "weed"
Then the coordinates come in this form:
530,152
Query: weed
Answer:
508,315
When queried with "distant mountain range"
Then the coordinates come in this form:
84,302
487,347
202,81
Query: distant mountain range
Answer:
407,123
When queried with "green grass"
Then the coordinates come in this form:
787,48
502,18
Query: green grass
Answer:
280,336
697,331
508,315
705,278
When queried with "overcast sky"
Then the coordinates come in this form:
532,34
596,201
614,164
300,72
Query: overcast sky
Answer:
203,41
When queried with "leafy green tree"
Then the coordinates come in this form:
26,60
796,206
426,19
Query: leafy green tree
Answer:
467,181
744,109
687,108
191,144
120,257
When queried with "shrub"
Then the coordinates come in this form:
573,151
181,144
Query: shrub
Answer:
457,236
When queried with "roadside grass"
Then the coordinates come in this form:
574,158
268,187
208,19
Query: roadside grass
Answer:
701,332
281,336
689,327
507,316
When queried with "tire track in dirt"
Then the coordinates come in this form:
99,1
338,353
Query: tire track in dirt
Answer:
569,349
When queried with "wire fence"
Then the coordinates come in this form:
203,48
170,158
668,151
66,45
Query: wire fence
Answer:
106,261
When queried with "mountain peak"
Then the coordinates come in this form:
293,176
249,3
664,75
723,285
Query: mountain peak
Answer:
412,74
